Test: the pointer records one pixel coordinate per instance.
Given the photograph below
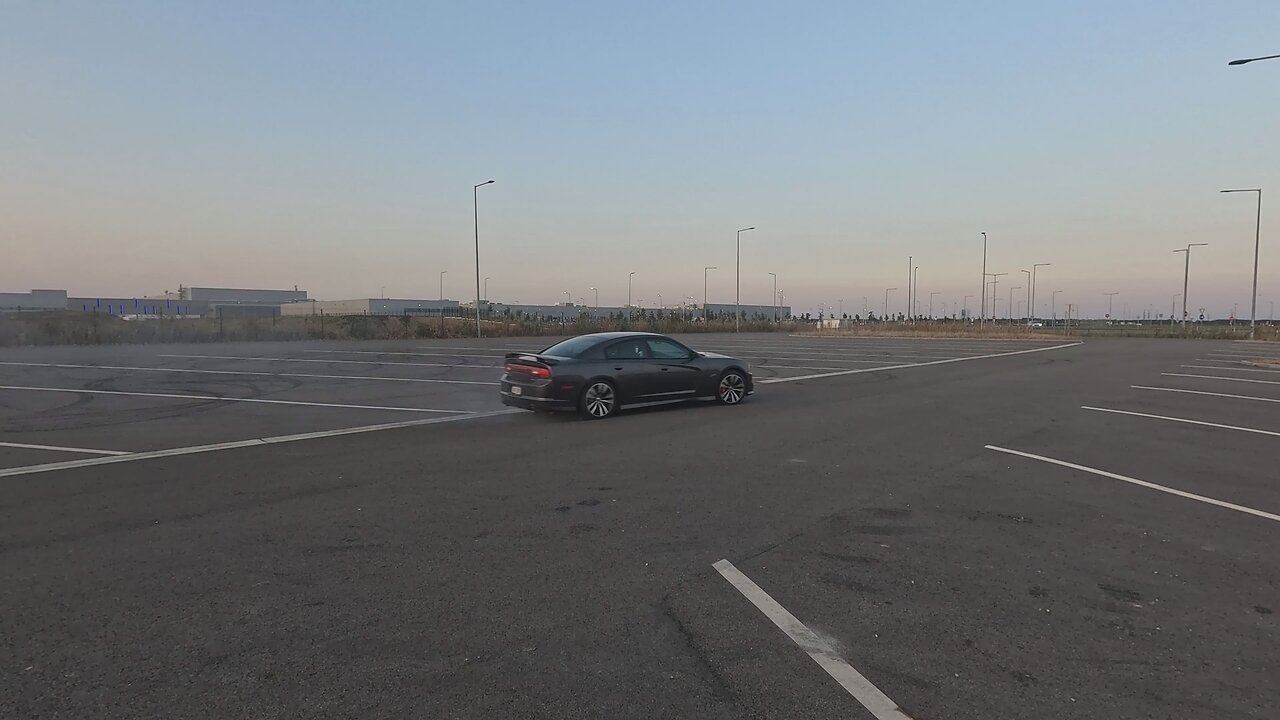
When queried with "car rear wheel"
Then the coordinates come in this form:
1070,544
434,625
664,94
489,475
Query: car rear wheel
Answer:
732,388
599,401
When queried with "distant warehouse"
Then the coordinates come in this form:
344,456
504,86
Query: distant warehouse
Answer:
371,306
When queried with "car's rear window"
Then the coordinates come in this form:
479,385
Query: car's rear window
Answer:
571,348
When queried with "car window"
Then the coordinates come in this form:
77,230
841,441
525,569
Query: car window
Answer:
632,349
571,348
667,350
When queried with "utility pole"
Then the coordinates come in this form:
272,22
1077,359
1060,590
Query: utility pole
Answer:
1110,304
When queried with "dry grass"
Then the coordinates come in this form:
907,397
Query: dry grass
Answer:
941,330
75,328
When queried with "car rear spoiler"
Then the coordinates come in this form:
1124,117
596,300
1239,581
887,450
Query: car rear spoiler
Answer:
531,358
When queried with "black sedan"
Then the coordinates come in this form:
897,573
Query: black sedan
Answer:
600,373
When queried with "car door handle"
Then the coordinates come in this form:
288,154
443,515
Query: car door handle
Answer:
665,369
618,369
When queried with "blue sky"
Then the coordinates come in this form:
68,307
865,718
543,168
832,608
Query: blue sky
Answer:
332,146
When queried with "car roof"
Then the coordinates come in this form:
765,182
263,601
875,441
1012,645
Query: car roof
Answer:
619,334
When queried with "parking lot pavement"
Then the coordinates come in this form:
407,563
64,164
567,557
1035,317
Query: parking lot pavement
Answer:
517,565
150,398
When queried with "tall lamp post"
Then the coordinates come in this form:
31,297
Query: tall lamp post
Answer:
885,309
597,292
775,296
915,291
1053,305
705,316
1246,61
995,283
1110,304
442,273
1186,273
1257,236
633,274
910,273
737,295
475,204
983,315
1032,306
1028,274
1009,308
965,314
931,303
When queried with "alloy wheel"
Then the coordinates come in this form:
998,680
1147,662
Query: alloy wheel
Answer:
732,388
599,400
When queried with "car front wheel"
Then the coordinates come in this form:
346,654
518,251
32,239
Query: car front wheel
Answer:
599,401
732,388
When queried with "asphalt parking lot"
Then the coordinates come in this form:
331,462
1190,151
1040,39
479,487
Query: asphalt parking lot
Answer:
932,528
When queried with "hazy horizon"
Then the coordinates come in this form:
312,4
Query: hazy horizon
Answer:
247,145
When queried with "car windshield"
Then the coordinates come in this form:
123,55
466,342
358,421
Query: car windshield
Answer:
571,348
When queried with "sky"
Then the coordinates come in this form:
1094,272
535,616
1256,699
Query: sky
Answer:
331,145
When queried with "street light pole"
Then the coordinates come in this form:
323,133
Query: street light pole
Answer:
1110,304
931,303
633,274
983,315
1032,306
1053,306
1009,308
1255,59
965,314
995,283
705,316
475,204
442,272
910,272
737,295
1186,273
885,309
775,296
597,292
1028,272
915,292
486,289
1257,236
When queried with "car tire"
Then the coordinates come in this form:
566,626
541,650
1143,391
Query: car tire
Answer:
732,388
599,400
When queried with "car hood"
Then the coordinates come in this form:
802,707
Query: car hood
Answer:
717,356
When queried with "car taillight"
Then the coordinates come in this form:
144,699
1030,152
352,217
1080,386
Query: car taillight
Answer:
532,371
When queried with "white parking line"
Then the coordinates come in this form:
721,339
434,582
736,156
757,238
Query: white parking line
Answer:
1231,369
1225,379
854,682
1142,483
225,399
1181,420
248,372
59,448
911,365
1202,392
343,362
134,457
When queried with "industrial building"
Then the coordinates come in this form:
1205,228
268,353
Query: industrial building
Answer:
36,300
205,302
371,306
